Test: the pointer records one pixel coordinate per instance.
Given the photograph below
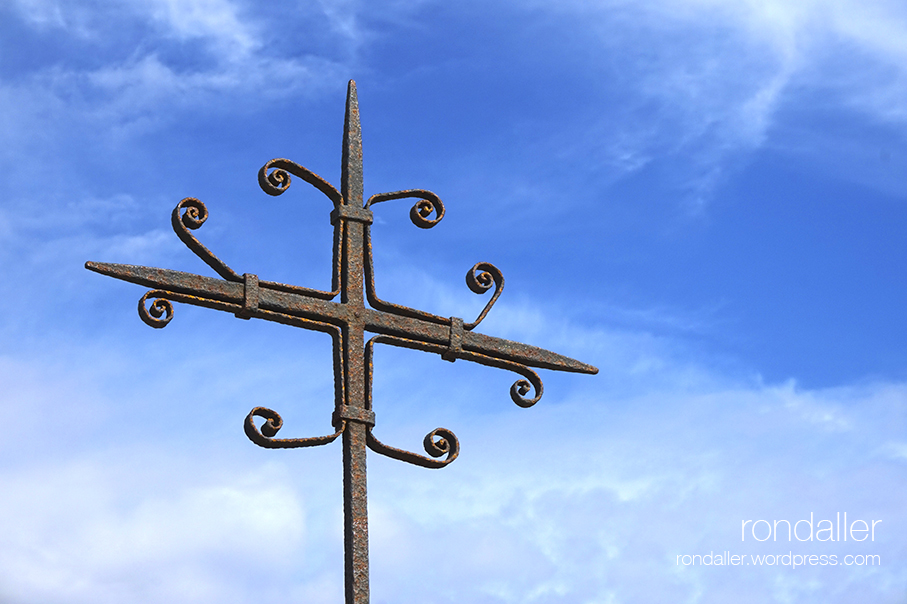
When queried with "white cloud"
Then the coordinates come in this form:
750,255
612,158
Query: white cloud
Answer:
585,497
343,18
597,497
135,94
221,22
134,88
93,511
44,14
708,77
75,532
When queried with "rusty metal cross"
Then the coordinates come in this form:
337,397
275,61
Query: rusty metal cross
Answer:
347,321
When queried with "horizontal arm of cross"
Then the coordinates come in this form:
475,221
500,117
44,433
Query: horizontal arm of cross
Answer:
234,297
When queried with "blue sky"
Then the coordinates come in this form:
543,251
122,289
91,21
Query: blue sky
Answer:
703,198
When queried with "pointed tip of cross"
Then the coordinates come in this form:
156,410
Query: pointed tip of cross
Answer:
352,101
351,170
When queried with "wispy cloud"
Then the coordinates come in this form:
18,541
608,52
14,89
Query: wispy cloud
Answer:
138,83
576,498
708,78
78,537
220,22
639,482
48,14
128,479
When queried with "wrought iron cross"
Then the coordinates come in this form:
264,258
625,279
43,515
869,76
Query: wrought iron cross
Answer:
346,321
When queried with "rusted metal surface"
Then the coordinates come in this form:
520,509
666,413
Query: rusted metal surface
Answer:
353,418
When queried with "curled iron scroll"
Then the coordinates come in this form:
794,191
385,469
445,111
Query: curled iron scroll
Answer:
161,310
479,279
438,442
275,183
427,203
520,388
191,213
159,313
278,181
273,423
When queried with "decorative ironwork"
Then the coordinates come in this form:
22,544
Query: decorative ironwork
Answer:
346,321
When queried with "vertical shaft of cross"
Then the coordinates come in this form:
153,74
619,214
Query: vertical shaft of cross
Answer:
355,505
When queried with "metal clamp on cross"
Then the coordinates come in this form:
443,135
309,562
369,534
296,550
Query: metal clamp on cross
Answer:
347,321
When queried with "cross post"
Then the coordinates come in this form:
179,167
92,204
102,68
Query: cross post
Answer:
346,321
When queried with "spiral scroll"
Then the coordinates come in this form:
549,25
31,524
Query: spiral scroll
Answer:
160,312
273,423
278,181
191,213
520,388
427,203
479,279
420,212
446,444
